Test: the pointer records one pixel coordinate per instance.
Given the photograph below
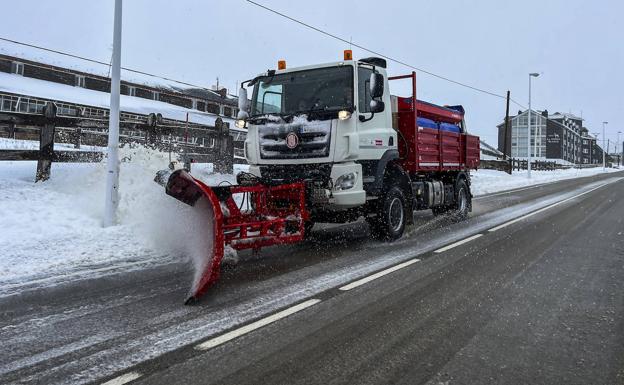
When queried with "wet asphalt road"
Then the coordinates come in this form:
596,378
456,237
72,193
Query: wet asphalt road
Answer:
538,301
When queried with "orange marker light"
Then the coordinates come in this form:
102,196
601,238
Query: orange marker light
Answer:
281,64
348,54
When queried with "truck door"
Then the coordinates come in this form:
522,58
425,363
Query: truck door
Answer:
376,135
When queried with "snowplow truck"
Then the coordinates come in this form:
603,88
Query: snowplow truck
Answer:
330,143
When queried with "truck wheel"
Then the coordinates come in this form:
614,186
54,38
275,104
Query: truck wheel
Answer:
389,224
307,228
462,201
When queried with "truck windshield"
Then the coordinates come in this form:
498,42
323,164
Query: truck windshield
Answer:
321,89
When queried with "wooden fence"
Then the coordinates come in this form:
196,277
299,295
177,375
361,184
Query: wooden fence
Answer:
191,142
521,164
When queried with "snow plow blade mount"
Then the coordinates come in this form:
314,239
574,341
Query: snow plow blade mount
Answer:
244,216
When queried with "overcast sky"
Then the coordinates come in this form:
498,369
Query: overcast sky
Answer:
577,46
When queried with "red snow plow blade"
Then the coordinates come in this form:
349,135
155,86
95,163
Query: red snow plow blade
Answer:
266,215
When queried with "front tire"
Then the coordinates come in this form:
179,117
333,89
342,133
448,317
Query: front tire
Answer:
389,222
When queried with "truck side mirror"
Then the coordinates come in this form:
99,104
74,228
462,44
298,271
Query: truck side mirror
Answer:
376,85
243,104
376,106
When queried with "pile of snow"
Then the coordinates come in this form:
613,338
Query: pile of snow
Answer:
55,227
491,181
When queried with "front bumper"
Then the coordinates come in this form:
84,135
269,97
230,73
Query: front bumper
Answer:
338,199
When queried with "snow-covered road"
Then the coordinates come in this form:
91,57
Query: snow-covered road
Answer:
139,315
52,231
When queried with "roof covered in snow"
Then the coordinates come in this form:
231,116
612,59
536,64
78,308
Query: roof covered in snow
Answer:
21,85
560,115
101,69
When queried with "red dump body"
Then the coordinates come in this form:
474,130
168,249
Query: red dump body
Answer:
429,149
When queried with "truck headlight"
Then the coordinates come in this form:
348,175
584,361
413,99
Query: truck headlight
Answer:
346,181
240,123
344,115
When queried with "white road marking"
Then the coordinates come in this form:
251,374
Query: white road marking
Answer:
510,191
543,209
465,240
123,379
56,352
373,277
255,325
87,273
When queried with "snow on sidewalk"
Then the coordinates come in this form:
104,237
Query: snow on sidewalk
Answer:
55,227
491,181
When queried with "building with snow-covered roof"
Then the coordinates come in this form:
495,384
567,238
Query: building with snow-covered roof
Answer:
216,102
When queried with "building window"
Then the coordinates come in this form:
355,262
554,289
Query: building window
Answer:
17,68
227,111
212,108
131,91
201,106
80,81
156,95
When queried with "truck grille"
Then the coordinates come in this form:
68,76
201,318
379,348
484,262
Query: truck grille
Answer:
313,139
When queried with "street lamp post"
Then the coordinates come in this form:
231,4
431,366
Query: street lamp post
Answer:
531,75
604,146
112,177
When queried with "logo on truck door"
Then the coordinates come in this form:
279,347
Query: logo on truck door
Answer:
292,140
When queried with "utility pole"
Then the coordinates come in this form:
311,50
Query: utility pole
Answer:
112,176
507,138
531,75
604,147
618,143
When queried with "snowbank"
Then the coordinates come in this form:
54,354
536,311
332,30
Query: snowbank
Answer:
490,181
56,227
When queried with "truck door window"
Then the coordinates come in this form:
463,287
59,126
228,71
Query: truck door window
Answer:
364,96
270,96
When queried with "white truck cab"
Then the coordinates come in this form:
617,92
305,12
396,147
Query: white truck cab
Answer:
318,123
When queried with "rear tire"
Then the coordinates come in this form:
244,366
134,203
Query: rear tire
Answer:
458,211
389,223
307,229
462,201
